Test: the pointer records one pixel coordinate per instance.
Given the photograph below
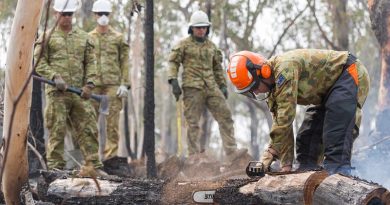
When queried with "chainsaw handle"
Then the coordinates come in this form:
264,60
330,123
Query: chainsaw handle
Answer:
68,89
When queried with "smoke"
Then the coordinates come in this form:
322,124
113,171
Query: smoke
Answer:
372,162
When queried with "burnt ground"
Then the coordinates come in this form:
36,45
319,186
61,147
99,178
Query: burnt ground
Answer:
177,180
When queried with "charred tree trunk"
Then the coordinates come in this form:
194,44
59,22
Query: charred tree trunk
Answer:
380,22
37,129
14,167
149,139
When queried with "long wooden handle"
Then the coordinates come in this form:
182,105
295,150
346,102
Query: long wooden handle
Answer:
68,89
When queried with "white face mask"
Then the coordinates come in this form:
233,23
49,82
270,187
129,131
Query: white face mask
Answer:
103,20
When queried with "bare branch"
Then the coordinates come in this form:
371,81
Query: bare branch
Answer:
184,9
286,30
371,145
40,158
313,10
249,28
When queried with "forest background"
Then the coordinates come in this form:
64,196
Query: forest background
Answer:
263,26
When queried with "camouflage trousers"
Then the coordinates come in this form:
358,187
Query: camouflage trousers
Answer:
115,106
195,101
64,110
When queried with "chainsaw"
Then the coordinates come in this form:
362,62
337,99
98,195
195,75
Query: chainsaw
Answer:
255,169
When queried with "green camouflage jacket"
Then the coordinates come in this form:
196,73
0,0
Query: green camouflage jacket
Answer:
301,77
70,55
201,64
112,53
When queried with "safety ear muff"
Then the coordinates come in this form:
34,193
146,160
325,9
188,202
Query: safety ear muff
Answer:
261,70
266,71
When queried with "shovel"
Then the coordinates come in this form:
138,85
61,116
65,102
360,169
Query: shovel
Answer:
103,112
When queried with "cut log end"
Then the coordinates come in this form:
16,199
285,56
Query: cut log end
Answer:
386,197
374,196
339,189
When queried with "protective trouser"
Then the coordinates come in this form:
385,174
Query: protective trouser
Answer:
64,109
328,129
195,100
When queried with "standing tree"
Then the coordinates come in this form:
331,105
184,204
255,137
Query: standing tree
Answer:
17,103
380,22
149,139
37,128
340,26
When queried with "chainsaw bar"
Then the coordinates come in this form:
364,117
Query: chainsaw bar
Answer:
203,197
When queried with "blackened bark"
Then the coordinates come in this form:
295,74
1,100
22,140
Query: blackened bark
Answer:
36,126
149,140
208,9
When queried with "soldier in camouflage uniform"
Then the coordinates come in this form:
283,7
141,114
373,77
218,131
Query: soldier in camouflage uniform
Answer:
68,58
203,84
112,53
335,85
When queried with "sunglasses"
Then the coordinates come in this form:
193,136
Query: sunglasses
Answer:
67,14
102,13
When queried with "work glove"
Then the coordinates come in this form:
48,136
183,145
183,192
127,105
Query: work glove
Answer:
176,90
224,91
267,158
59,82
86,91
122,91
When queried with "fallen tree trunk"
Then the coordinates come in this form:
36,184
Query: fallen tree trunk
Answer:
294,188
339,189
85,191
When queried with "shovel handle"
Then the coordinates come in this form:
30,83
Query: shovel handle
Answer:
68,89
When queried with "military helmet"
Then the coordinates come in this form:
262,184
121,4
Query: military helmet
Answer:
245,70
66,5
102,6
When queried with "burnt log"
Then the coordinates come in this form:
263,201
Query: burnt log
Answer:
86,191
314,187
278,188
339,189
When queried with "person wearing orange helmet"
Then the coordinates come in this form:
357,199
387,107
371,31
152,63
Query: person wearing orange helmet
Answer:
203,83
334,83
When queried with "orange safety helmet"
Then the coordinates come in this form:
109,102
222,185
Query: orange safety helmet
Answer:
245,71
